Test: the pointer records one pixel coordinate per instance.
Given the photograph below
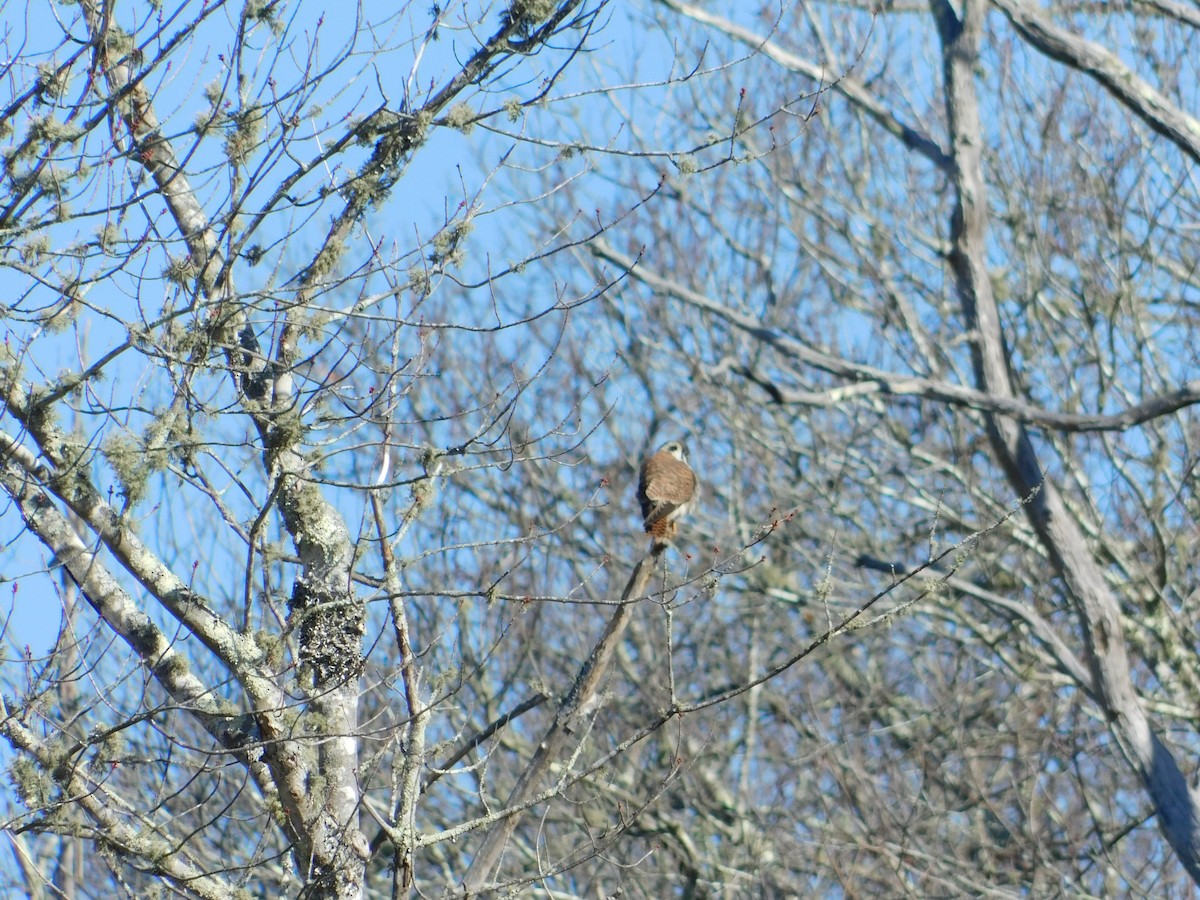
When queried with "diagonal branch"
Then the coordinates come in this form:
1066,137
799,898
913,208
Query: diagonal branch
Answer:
132,102
113,604
578,706
164,858
1042,631
866,380
62,478
1138,95
288,773
846,84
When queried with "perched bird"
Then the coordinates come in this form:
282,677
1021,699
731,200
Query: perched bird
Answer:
667,489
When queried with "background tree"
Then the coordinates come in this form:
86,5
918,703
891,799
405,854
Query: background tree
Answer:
951,276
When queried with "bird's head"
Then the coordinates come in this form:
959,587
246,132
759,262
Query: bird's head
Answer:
676,449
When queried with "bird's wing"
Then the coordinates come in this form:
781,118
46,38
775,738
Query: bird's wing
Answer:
657,510
665,485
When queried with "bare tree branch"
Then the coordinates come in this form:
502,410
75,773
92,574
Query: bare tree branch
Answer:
867,380
1177,804
1098,63
845,83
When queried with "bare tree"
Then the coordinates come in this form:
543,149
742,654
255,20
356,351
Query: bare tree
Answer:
950,277
292,450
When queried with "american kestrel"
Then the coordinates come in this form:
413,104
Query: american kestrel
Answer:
667,489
